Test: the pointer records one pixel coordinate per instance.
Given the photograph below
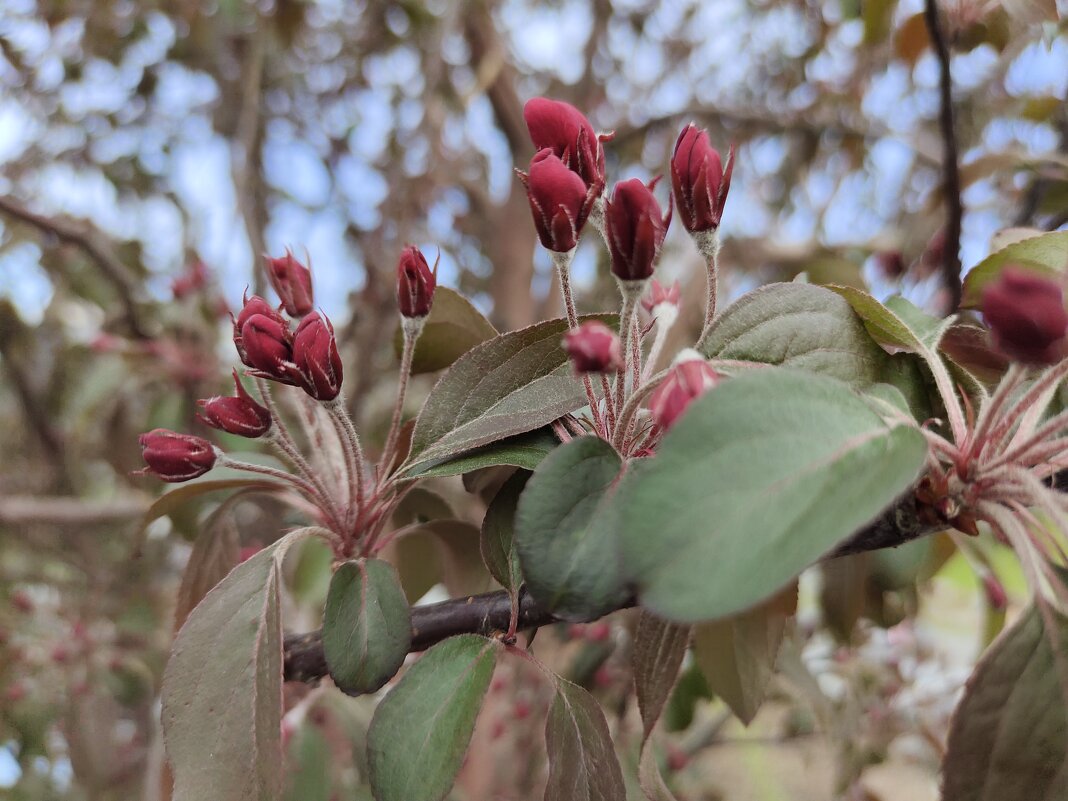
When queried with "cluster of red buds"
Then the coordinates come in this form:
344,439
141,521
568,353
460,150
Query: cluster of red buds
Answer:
565,185
295,346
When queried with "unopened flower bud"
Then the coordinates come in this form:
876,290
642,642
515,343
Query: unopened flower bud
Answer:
562,128
415,283
240,415
293,283
192,280
318,364
267,346
251,306
690,378
1026,316
594,348
635,228
175,457
699,181
559,201
662,304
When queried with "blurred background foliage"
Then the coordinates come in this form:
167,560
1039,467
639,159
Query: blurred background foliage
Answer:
149,151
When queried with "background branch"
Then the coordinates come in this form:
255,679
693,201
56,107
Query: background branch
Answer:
951,265
88,239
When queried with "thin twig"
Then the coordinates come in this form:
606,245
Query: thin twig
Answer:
951,265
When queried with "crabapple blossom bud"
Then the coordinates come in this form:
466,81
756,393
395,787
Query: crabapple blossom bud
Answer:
415,283
293,283
635,229
175,457
240,415
267,347
192,280
559,201
594,348
565,130
699,181
318,365
1026,316
690,378
251,306
659,294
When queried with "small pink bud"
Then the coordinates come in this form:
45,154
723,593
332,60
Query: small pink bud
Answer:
415,283
315,355
604,676
22,602
15,692
890,264
192,280
240,415
698,180
293,283
522,709
594,348
688,379
677,759
635,228
658,295
598,632
562,128
1026,316
497,730
268,349
559,201
576,631
60,654
248,551
175,457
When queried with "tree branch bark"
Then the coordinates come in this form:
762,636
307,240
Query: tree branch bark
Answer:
489,612
93,244
951,266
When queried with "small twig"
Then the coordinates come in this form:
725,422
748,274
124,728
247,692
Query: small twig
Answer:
951,265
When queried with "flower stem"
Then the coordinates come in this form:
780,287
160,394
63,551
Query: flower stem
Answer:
562,263
351,443
412,327
708,244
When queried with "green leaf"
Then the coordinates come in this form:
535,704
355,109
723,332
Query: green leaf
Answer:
309,776
659,647
737,654
802,326
177,498
214,554
422,729
582,761
222,689
523,450
897,325
761,476
690,688
452,328
1046,254
498,529
367,626
1009,735
511,384
569,565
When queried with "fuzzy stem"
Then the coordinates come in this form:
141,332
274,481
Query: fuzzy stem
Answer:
305,487
351,443
609,406
562,263
412,327
954,410
627,412
708,243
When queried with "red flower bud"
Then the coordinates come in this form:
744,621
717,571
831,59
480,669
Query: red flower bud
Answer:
292,281
251,306
699,181
594,348
192,280
659,295
175,457
415,283
890,264
635,229
240,415
267,348
1026,316
318,365
559,201
688,379
565,130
